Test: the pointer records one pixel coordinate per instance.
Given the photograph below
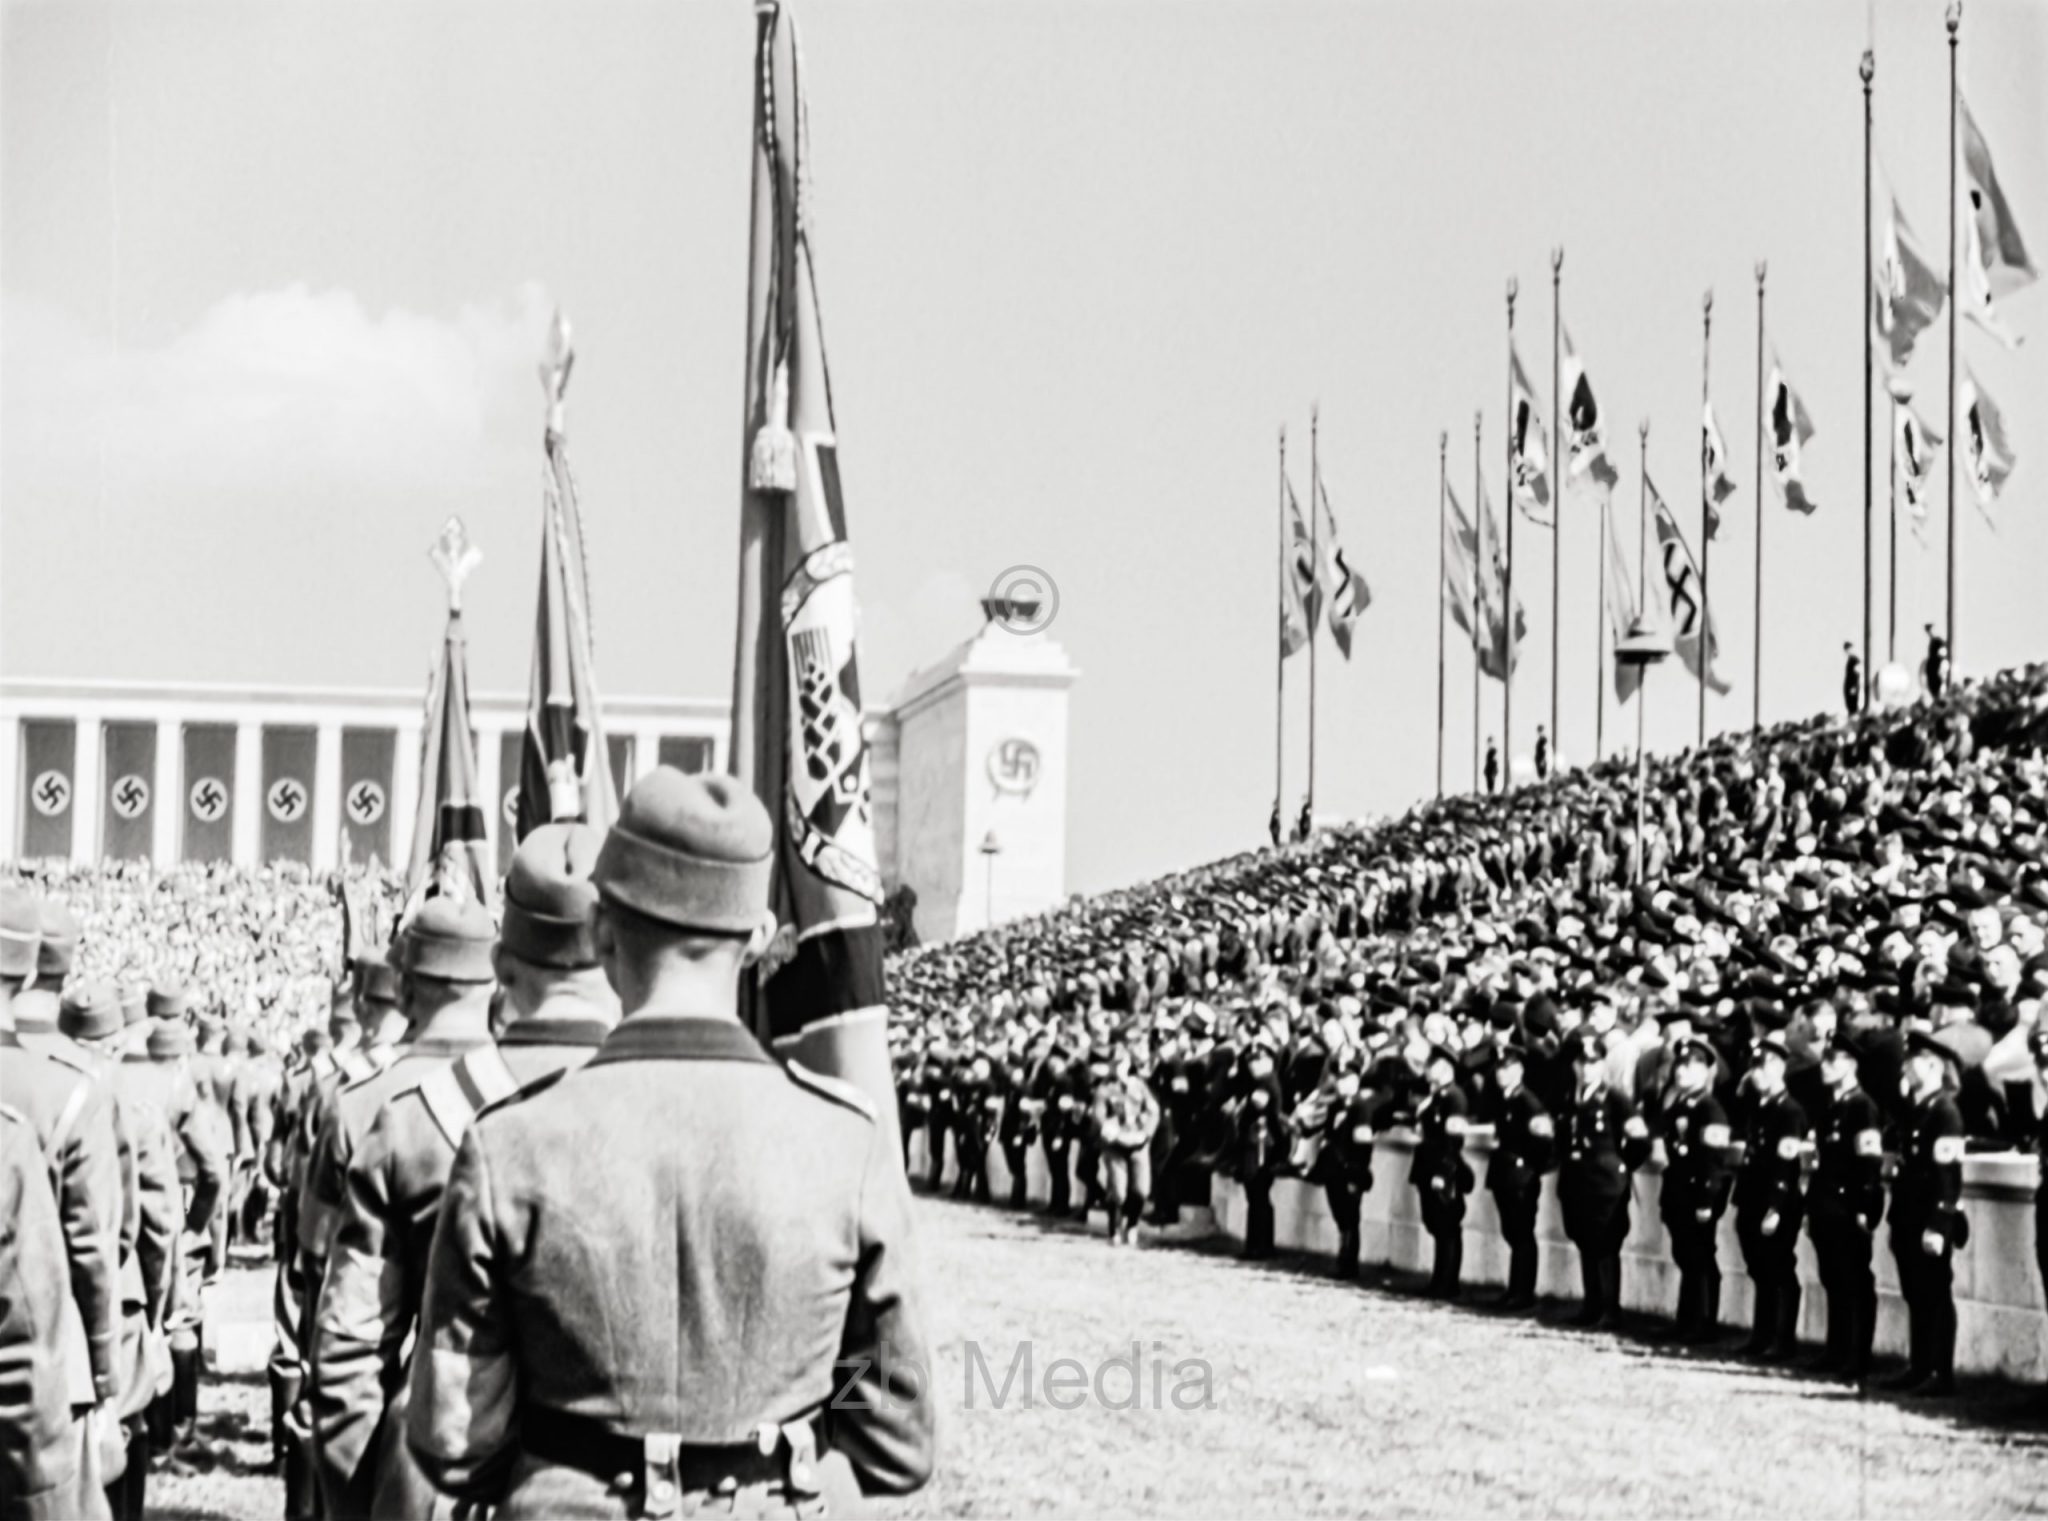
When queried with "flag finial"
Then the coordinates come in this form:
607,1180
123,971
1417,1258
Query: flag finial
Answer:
1866,69
554,368
1954,18
455,557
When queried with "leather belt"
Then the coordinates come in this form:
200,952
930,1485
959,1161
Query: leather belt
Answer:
665,1467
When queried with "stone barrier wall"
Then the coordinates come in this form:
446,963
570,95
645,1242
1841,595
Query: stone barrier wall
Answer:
2002,1323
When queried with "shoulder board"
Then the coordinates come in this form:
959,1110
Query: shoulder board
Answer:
533,1089
832,1088
72,1057
457,1093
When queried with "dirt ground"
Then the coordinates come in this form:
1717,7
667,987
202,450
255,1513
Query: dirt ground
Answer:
1312,1397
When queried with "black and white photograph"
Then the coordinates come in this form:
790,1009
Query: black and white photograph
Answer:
1293,836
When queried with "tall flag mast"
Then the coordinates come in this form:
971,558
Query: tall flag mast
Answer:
1867,69
1756,679
1954,21
1281,633
1507,675
1443,445
1556,443
797,736
1706,482
564,764
448,829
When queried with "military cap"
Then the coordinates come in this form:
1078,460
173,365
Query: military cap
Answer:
1440,1053
1953,993
59,928
134,1004
1693,1049
91,1011
20,930
1840,1048
171,1037
1923,1043
1774,1044
1583,1045
550,903
1510,1051
168,1001
691,851
449,940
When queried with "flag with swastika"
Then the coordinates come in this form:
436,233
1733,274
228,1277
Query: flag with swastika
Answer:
1685,597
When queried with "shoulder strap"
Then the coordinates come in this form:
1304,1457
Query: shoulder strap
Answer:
459,1091
842,1093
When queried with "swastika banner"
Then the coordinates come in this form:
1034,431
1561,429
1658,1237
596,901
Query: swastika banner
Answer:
502,820
128,799
49,752
289,752
207,831
366,756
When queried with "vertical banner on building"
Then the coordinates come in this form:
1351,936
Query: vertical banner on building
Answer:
289,751
685,752
207,831
366,769
49,783
505,820
619,751
128,782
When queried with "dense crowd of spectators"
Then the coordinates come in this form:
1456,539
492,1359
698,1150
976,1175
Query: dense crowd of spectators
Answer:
260,947
1837,878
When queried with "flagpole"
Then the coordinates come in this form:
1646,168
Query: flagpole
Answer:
1600,642
1557,473
1891,559
1706,508
1756,680
1867,68
1443,446
1954,21
1315,555
1479,569
1507,674
1280,654
1642,602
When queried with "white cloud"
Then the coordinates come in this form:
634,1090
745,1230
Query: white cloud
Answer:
267,389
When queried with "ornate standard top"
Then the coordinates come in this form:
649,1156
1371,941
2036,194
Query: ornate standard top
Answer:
455,557
554,369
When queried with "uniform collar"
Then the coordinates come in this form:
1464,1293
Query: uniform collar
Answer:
680,1037
555,1032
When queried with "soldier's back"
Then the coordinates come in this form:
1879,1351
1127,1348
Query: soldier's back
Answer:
694,1241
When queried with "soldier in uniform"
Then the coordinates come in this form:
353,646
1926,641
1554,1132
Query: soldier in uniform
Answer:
45,1366
1439,1173
1018,1128
558,1009
977,1108
69,1108
1259,1145
1053,1087
91,1020
731,1310
1524,1144
1603,1140
1928,1223
940,1113
1697,1180
36,1009
1344,1165
1770,1202
1844,1206
2038,1043
1852,679
1123,1116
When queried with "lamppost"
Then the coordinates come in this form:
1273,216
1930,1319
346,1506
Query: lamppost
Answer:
990,848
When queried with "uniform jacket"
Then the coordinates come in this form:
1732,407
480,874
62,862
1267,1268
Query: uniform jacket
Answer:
377,1270
1600,1139
1849,1162
68,1107
1441,1119
740,1254
1524,1145
1772,1172
1698,1156
1348,1135
1927,1193
42,1470
1124,1114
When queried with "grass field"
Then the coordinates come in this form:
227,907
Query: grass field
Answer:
1328,1399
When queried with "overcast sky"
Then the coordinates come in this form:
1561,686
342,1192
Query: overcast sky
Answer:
275,280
